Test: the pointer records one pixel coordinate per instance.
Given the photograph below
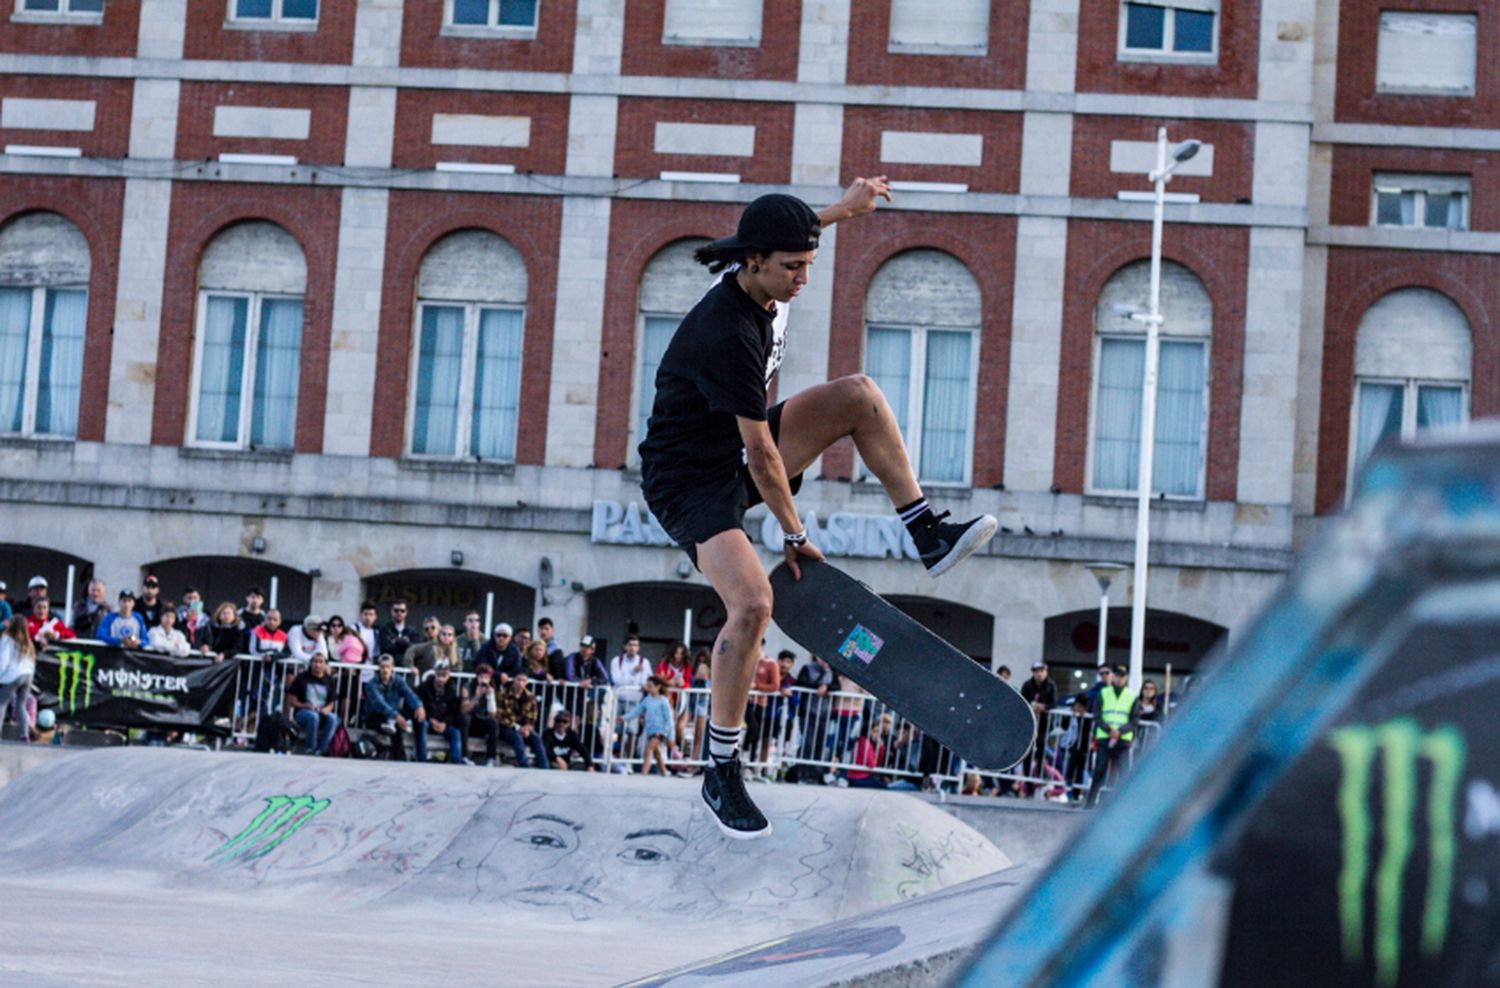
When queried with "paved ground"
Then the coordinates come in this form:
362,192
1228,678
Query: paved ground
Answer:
163,865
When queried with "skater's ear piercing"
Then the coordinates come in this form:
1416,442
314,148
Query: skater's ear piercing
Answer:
755,269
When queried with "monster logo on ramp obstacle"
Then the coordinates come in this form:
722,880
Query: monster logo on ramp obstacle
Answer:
282,817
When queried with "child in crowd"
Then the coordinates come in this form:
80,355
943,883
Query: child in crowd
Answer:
1075,742
654,716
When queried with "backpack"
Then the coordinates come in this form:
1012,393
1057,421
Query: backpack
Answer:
338,745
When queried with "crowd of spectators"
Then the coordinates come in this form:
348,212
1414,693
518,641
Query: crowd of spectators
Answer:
660,709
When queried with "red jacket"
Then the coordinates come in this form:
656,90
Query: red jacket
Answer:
54,624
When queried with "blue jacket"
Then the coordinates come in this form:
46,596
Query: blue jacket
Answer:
111,628
657,713
388,699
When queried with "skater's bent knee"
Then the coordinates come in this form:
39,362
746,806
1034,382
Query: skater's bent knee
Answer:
753,608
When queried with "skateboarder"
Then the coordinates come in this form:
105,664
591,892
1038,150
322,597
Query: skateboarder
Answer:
713,449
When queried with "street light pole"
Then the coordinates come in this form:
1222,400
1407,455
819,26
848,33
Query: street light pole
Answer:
1153,320
1105,574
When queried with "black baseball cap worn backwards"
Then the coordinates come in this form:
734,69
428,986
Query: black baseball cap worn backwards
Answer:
774,222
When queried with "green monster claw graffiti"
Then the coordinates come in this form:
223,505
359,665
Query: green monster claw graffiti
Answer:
282,817
74,669
1402,744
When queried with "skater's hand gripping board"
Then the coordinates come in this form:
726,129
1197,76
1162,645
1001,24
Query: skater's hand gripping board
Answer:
929,682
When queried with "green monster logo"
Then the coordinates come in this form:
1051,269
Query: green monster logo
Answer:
74,669
282,817
1402,744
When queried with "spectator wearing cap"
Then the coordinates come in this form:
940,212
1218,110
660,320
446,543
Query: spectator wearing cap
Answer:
251,615
501,654
516,710
226,635
44,626
444,705
312,696
1041,693
479,705
44,731
164,636
440,647
35,587
124,627
307,639
564,746
149,605
583,666
395,636
90,612
5,609
1116,713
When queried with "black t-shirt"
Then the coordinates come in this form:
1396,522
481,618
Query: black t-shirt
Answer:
566,747
712,372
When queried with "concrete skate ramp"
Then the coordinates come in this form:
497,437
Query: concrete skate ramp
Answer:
565,847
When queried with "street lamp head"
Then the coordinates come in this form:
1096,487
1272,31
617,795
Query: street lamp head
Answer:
1105,573
1186,150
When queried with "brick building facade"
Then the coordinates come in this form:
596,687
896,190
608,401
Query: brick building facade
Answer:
448,229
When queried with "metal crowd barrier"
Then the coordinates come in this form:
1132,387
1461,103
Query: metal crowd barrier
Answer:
798,735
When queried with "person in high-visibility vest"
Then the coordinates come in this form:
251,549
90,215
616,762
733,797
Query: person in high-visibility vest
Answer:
1116,712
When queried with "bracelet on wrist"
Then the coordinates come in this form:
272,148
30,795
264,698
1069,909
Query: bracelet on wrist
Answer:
794,538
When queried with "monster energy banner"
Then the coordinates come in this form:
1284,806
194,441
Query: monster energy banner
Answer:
106,686
1376,860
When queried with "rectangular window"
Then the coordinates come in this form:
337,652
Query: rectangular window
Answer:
712,22
1183,30
41,360
87,9
504,16
251,348
289,12
656,333
927,377
1440,201
1426,54
1181,411
940,27
1400,409
467,393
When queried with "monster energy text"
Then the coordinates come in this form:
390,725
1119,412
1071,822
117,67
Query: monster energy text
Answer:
1402,745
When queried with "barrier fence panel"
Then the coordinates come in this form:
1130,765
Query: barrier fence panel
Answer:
795,735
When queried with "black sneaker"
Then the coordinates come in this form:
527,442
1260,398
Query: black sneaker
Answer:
724,794
942,544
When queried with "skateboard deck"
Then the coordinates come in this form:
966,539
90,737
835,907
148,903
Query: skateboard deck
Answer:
948,695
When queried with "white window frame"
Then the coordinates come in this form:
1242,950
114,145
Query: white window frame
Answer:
1169,35
701,41
469,362
1411,387
247,378
1206,342
62,15
632,455
981,50
1450,92
31,374
492,29
918,392
276,22
1422,185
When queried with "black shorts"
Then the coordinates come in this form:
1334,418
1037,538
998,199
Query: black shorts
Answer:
696,516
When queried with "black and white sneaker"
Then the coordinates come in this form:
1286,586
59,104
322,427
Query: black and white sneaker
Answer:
942,544
725,796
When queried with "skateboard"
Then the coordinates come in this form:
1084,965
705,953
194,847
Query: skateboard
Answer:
975,713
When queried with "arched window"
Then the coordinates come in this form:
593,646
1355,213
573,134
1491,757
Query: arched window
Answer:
44,277
1181,384
471,310
1412,363
922,316
249,343
671,284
